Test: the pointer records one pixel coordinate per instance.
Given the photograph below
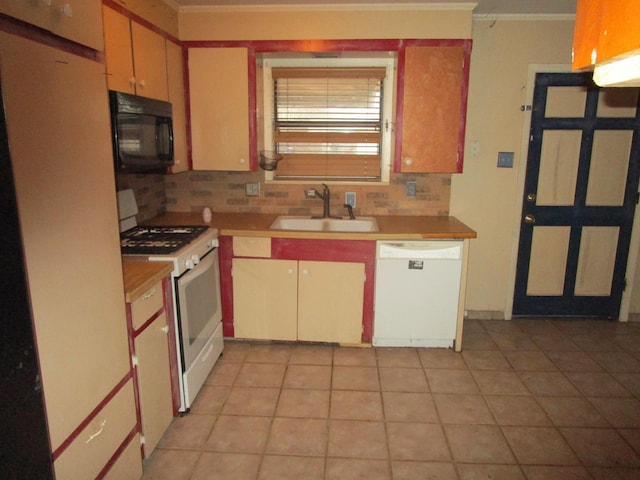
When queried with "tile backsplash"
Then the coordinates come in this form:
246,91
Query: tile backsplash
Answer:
225,192
149,191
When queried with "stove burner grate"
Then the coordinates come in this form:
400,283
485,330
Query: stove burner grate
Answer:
158,240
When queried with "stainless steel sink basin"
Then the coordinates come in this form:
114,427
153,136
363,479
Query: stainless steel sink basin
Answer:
360,224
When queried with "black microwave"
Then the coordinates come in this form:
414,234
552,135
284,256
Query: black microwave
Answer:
142,132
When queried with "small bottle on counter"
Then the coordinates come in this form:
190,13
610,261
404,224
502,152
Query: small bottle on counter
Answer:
206,214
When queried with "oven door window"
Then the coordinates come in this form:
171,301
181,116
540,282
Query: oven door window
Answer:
198,300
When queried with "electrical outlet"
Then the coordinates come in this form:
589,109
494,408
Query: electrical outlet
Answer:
350,198
411,189
252,189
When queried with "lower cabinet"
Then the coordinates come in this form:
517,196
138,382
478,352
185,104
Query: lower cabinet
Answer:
95,445
152,365
298,300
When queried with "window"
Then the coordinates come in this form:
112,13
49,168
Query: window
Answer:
329,122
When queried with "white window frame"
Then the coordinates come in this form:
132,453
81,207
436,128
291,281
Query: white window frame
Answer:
382,59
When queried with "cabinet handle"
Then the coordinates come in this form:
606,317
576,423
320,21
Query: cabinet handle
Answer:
132,81
165,329
141,83
99,432
408,160
290,271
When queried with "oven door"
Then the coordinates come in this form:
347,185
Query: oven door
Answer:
199,306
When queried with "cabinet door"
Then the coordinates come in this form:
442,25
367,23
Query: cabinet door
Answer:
586,33
265,298
175,79
219,90
330,310
154,380
432,108
118,52
77,21
149,62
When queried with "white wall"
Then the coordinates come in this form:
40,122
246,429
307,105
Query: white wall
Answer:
484,196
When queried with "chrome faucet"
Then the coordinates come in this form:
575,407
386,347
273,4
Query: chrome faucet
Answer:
326,199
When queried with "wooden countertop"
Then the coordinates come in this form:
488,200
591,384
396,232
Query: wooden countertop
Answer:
397,227
140,275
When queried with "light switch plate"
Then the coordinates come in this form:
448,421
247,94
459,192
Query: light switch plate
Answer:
411,189
505,159
252,189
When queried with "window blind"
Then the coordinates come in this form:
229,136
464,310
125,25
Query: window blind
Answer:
328,122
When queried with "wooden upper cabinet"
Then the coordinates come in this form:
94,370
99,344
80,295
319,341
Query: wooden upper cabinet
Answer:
149,62
433,109
135,57
118,51
604,30
175,80
74,20
219,92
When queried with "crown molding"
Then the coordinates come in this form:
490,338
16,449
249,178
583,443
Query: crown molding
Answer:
462,6
529,17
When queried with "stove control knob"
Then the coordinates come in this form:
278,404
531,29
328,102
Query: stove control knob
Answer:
195,259
189,264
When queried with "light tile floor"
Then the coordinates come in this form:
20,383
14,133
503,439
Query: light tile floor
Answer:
526,399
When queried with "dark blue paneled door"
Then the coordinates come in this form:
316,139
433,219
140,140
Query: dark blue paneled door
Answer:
580,195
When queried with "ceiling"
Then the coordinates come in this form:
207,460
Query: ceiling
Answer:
484,7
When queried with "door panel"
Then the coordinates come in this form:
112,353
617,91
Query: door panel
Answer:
609,167
548,259
581,187
559,167
596,261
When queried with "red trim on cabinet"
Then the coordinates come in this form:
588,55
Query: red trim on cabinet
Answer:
397,157
31,32
225,256
114,458
187,103
356,45
94,413
253,112
138,19
172,335
466,44
134,373
358,251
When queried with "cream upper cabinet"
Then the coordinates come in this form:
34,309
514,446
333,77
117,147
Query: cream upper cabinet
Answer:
432,109
219,91
75,19
135,57
175,78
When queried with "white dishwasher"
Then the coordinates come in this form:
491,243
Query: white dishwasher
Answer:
416,293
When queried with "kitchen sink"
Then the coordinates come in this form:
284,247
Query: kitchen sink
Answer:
360,224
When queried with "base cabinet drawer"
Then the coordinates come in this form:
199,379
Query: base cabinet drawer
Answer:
92,450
